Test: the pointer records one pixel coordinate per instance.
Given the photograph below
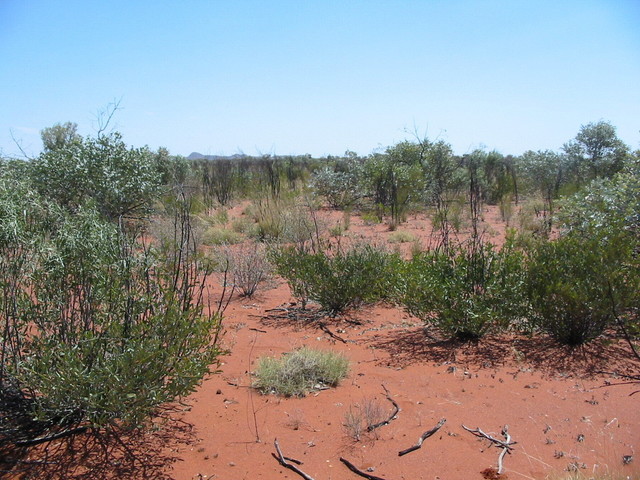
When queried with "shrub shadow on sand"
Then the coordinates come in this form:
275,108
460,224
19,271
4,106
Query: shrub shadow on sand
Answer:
90,456
410,346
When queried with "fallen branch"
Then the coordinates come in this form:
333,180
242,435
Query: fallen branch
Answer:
326,330
479,433
424,436
355,470
505,450
283,461
396,410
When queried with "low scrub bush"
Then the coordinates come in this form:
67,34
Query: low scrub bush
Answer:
360,417
467,292
247,265
97,330
337,279
578,286
402,236
300,372
220,236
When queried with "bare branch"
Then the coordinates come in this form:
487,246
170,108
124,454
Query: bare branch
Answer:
396,410
357,471
422,438
104,116
19,145
283,461
505,432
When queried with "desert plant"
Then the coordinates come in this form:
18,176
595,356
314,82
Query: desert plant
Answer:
220,236
360,417
578,285
466,292
247,265
119,180
337,278
299,372
402,236
103,329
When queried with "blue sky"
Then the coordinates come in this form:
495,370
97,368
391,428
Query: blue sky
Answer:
320,77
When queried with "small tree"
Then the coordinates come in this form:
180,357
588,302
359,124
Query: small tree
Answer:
59,136
120,181
596,151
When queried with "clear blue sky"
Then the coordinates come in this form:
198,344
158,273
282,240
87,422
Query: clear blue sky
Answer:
320,77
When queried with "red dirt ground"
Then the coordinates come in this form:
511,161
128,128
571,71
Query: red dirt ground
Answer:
562,413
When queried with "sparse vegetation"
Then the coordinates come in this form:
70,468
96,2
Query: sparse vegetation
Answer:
299,372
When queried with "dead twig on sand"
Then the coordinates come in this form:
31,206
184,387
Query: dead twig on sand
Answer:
505,450
357,471
283,461
506,444
396,410
422,438
326,330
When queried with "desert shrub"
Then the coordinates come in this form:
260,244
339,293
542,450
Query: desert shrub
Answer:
245,226
119,180
340,187
97,330
506,207
337,279
533,219
247,265
360,417
299,372
577,285
220,236
466,292
220,217
402,236
370,218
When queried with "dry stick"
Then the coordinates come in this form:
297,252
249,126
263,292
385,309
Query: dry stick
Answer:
355,470
505,432
479,433
326,330
283,461
396,410
424,436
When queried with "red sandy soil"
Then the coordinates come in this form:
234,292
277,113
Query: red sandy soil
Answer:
562,413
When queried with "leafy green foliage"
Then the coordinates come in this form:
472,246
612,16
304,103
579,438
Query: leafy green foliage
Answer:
394,179
59,136
299,372
337,279
596,151
577,285
466,292
607,207
339,184
96,329
120,181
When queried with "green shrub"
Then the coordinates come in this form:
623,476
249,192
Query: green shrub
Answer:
245,226
402,236
247,265
221,236
338,279
299,372
467,292
370,218
108,330
576,285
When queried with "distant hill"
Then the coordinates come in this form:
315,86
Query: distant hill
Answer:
199,156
